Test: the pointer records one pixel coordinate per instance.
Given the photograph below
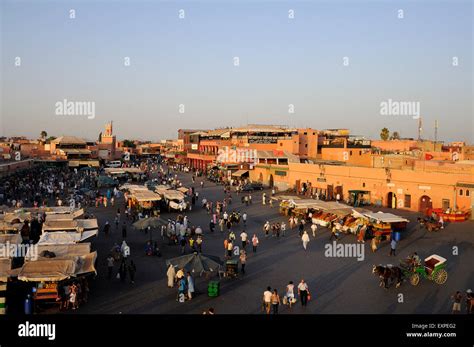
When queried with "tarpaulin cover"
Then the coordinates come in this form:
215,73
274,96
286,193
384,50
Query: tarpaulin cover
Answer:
61,250
173,195
57,269
385,217
77,224
47,270
63,237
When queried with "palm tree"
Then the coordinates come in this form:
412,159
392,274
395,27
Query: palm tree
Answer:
395,135
44,134
384,134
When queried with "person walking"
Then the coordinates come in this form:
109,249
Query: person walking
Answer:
230,248
171,274
264,199
275,300
267,300
199,243
244,218
123,270
182,243
190,281
110,266
255,243
283,229
181,289
107,228
305,239
469,301
243,261
457,298
393,247
266,228
212,225
132,269
244,239
303,292
334,233
301,228
290,293
314,227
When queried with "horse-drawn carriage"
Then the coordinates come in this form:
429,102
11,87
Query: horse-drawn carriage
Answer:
411,269
433,269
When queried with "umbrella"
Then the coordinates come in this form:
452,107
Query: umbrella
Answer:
153,222
106,181
196,263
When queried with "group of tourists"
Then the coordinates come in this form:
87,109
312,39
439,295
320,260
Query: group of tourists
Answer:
457,301
73,294
272,300
183,281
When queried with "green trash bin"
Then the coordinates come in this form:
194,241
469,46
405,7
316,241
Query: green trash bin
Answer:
213,288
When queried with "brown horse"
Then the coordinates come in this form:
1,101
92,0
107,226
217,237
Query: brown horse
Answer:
388,273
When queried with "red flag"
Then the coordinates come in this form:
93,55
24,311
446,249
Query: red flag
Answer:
428,156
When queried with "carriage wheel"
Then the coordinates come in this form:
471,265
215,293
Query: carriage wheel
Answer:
441,276
415,279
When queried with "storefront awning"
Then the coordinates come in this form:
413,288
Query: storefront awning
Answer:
240,173
385,217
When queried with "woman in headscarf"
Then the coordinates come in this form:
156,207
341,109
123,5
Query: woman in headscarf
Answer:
171,273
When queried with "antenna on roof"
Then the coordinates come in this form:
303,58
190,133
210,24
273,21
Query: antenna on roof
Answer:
420,123
436,131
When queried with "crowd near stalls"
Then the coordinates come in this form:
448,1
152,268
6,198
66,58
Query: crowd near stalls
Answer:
43,207
341,218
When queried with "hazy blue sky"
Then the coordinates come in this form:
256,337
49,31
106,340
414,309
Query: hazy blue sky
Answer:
190,61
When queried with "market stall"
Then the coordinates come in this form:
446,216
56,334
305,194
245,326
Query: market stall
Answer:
384,223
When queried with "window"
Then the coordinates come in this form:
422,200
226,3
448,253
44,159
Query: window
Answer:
306,146
407,200
281,144
363,185
305,133
467,192
314,133
360,152
350,152
461,192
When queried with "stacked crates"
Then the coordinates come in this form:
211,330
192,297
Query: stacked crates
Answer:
213,288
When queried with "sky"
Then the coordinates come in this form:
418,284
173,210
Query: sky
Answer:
189,61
